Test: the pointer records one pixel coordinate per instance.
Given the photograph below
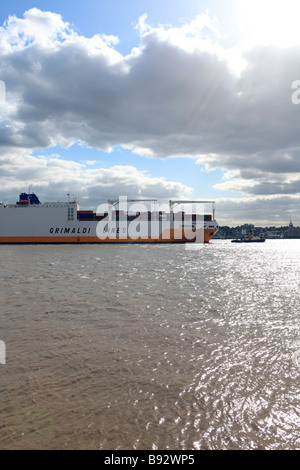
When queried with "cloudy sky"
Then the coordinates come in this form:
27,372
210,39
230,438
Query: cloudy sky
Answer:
147,98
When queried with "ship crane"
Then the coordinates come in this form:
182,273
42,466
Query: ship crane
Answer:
172,204
115,202
123,202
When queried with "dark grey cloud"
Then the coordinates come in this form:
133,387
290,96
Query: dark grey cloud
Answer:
163,97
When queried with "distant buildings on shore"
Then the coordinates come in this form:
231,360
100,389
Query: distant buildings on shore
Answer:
267,232
292,232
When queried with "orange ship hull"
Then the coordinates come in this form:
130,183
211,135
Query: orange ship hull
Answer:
178,237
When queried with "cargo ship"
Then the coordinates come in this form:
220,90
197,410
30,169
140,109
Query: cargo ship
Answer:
29,221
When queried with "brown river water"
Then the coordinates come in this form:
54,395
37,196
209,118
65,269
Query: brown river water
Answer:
150,347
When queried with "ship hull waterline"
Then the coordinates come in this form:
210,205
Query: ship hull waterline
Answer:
59,240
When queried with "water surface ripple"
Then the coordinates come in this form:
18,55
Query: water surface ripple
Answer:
150,347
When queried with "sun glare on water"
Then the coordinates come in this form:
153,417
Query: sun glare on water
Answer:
269,21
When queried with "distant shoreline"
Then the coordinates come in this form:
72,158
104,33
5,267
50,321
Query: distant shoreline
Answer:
268,238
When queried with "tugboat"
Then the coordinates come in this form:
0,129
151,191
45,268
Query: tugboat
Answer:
250,238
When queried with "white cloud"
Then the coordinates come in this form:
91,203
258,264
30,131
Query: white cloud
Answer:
52,177
141,24
198,35
45,27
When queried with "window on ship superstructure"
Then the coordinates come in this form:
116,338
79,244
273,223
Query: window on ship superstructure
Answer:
70,213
